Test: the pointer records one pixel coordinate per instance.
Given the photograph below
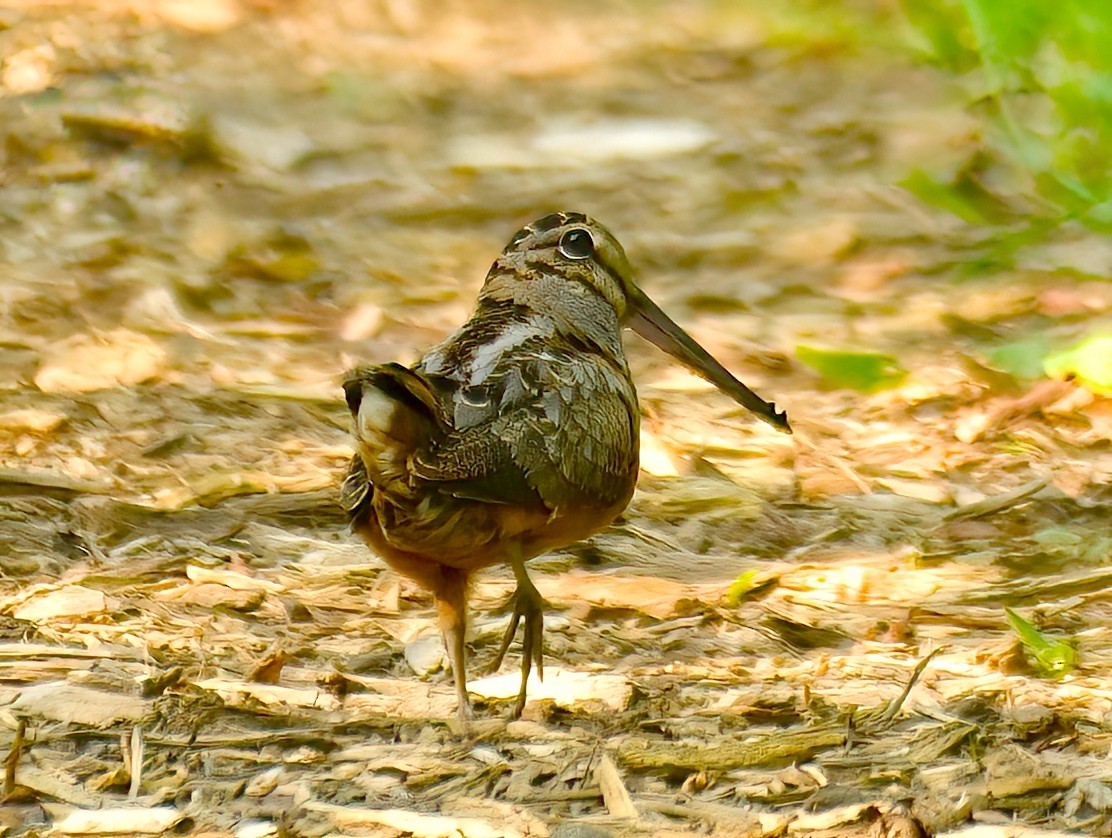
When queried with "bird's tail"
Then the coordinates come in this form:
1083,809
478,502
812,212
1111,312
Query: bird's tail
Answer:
395,413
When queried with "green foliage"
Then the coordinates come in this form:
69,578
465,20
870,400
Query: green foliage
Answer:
1041,76
961,195
1052,658
865,371
1090,362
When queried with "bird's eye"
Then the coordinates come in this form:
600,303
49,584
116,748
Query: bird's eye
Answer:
577,244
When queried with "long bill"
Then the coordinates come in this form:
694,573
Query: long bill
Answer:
651,323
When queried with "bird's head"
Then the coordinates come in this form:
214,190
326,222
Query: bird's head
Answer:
578,257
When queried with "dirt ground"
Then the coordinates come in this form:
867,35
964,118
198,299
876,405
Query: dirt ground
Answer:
209,210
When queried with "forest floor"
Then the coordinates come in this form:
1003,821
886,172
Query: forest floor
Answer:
211,209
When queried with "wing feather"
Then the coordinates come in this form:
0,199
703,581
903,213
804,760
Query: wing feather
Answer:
567,438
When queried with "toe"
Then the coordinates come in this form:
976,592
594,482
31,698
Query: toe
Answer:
507,638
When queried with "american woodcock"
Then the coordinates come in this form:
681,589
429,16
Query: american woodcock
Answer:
519,433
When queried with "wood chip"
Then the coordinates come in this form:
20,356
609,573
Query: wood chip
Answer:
412,823
78,705
564,687
615,795
232,579
30,420
838,817
212,595
120,358
929,491
270,697
653,596
51,603
143,821
52,785
269,670
265,782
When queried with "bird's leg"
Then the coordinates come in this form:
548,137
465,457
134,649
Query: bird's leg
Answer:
451,606
528,605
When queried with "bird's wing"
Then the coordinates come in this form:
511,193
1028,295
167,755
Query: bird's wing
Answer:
551,432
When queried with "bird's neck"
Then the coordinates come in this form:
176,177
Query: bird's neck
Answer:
578,315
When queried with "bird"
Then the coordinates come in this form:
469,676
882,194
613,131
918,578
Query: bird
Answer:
517,434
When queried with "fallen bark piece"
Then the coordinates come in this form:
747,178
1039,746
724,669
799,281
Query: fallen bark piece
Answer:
780,747
998,503
398,698
30,420
425,655
1088,790
421,704
265,782
254,828
57,480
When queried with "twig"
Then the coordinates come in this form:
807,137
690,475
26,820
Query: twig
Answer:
998,503
53,481
15,752
895,704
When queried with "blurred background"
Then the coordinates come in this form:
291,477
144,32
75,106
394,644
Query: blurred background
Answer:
868,176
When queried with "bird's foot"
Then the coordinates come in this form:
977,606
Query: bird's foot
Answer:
529,608
465,712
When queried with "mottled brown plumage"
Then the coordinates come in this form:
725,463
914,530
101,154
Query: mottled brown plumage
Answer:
519,433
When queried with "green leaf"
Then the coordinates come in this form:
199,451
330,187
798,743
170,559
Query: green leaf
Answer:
745,582
865,371
1022,359
1090,362
1052,658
